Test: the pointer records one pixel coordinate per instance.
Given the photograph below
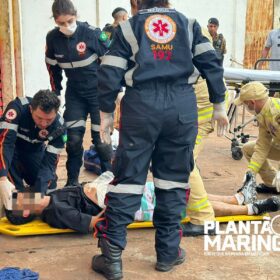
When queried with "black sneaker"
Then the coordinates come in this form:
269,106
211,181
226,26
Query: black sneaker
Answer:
190,229
262,188
271,204
164,267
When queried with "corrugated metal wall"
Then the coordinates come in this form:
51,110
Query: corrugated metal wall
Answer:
259,21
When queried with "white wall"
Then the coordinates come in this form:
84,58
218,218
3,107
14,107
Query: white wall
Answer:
37,21
231,15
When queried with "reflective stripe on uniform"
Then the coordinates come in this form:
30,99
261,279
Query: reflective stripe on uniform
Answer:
194,76
125,188
205,114
61,120
202,48
95,127
131,39
10,126
73,124
254,166
190,30
276,103
50,61
77,64
168,185
53,150
27,139
23,101
197,206
116,61
198,139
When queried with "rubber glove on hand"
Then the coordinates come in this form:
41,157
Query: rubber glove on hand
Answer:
220,116
107,122
276,181
6,192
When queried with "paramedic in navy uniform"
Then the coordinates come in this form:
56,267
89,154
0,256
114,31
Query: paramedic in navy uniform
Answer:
154,52
75,47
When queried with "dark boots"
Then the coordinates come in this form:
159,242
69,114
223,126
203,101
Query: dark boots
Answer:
164,267
109,263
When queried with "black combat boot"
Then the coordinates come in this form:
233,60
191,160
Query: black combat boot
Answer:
164,267
109,263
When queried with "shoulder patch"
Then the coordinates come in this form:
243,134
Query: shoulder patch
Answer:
103,37
11,114
64,138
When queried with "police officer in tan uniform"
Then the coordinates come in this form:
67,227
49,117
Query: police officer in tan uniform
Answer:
254,96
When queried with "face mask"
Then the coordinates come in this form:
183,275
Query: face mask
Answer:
251,111
68,30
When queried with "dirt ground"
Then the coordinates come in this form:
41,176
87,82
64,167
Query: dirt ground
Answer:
69,256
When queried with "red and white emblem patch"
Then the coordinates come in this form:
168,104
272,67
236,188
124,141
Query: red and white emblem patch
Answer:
11,114
160,28
43,133
81,47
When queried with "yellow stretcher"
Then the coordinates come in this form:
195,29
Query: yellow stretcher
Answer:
37,227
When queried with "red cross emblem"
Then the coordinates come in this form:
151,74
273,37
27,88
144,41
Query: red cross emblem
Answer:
160,28
81,47
11,114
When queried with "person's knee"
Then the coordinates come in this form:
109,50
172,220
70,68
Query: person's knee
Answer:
248,150
104,151
74,143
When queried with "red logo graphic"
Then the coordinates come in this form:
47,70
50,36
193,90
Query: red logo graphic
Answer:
11,114
43,133
81,47
160,27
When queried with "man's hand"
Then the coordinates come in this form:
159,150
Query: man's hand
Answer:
94,219
220,116
6,192
107,122
276,181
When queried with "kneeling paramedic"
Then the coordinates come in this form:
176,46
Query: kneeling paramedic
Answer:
26,125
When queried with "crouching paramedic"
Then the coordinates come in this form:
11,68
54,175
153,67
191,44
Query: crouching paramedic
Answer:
154,52
26,125
75,47
255,97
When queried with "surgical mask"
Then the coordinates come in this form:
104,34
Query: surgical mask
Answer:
68,30
251,111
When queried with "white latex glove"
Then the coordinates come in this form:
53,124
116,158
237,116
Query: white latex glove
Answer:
276,181
6,192
107,122
220,116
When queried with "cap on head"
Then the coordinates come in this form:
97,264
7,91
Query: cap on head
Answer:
251,91
213,21
117,10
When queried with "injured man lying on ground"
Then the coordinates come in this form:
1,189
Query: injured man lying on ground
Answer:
79,208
